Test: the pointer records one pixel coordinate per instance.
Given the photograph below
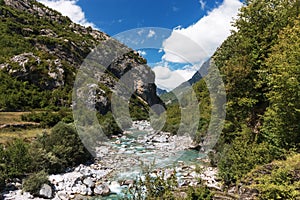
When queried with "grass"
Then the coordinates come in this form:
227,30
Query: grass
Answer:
10,133
7,135
11,117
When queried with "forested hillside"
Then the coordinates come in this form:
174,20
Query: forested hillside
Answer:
261,69
260,66
41,51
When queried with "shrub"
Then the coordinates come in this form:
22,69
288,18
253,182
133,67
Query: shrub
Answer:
48,119
244,155
17,158
34,182
277,180
154,187
64,148
199,193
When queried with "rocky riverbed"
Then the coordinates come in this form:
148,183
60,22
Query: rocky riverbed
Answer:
118,163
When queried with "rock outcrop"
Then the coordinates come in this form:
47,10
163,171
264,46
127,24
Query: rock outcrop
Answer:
55,48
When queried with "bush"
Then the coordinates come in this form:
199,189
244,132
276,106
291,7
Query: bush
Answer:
34,182
17,158
277,180
61,149
48,119
154,187
244,155
199,193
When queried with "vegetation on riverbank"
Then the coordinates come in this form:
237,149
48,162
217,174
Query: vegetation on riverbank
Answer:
52,153
260,67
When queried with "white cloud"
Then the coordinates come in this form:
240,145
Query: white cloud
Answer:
142,53
168,80
203,4
199,41
151,33
69,8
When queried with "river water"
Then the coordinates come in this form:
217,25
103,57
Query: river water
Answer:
127,151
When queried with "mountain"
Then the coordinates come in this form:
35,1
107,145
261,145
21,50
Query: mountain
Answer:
160,91
42,51
183,88
202,72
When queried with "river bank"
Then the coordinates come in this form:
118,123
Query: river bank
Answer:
118,163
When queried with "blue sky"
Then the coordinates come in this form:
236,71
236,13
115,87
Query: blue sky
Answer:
114,16
192,29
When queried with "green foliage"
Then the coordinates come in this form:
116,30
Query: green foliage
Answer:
65,147
173,117
34,182
49,119
281,120
138,108
199,193
277,180
154,187
108,124
2,168
16,159
259,63
243,155
242,57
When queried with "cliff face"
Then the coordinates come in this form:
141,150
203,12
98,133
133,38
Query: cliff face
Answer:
43,50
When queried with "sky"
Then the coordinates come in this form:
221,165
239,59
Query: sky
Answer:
175,36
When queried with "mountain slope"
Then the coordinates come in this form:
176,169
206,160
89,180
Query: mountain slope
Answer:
41,51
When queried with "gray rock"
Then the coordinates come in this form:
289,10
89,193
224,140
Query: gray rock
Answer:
89,182
80,197
89,192
46,191
62,195
128,182
115,187
102,190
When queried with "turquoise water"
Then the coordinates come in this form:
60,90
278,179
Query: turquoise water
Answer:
132,147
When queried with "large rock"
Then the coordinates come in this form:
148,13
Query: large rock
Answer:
102,190
62,195
89,182
115,187
46,191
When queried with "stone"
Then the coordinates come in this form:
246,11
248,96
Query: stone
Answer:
89,182
62,195
80,197
46,191
115,187
102,190
89,192
128,182
56,178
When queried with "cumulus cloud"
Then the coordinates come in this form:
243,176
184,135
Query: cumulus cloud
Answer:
69,8
142,53
199,41
168,80
151,33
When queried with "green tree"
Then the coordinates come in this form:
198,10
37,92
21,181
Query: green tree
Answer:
242,58
281,121
243,155
64,148
17,158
